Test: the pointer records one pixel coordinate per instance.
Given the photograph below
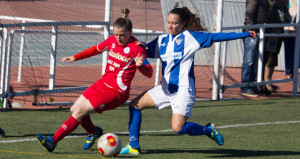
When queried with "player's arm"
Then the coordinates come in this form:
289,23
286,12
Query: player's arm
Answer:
94,50
146,69
142,63
218,37
151,48
205,39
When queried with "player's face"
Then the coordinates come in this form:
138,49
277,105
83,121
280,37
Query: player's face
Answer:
122,35
174,24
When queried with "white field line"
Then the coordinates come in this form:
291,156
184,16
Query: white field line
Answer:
167,130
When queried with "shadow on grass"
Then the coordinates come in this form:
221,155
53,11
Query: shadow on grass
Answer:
33,135
220,153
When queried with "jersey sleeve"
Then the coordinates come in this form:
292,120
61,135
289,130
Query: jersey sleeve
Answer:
152,51
92,51
207,39
87,53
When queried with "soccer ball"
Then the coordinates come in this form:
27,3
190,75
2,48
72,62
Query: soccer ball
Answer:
109,145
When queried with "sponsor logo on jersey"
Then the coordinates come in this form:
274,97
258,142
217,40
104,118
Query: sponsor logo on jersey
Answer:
177,55
173,55
118,56
126,50
113,45
163,44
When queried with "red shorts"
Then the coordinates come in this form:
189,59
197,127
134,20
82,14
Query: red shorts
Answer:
103,97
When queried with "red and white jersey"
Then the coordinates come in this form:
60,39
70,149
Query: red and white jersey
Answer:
121,67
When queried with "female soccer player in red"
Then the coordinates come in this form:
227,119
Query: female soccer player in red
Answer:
109,92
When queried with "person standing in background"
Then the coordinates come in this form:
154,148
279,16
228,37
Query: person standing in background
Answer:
257,12
289,43
279,14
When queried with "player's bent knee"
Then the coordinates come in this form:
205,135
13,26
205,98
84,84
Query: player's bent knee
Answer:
78,112
176,129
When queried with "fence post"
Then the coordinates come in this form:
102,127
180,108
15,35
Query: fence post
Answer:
157,71
261,55
224,59
216,85
21,54
3,59
8,67
53,57
296,55
106,32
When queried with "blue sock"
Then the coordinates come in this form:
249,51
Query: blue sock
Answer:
134,126
193,129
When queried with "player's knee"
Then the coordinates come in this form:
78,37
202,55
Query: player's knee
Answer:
134,105
78,112
73,108
176,128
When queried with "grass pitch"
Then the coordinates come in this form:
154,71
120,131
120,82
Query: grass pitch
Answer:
251,128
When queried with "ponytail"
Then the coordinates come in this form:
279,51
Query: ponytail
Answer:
124,22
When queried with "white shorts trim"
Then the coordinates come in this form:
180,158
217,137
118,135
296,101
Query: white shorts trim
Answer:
179,102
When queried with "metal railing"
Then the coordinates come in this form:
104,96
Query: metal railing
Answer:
262,35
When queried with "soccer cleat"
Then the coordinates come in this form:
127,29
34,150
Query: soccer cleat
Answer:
129,150
46,142
215,134
2,133
91,138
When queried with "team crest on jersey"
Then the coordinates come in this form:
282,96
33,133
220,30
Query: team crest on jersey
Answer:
178,41
113,45
126,50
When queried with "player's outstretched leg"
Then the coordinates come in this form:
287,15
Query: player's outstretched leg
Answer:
195,129
46,142
215,134
91,138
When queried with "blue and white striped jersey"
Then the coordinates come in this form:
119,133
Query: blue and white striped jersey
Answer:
177,56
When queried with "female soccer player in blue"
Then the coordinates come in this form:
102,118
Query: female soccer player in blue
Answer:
177,88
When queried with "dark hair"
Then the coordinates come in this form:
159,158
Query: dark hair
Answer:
193,21
123,22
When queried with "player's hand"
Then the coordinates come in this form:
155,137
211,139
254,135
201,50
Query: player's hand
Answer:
252,34
139,43
139,59
69,59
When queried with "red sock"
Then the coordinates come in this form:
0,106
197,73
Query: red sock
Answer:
67,127
88,125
